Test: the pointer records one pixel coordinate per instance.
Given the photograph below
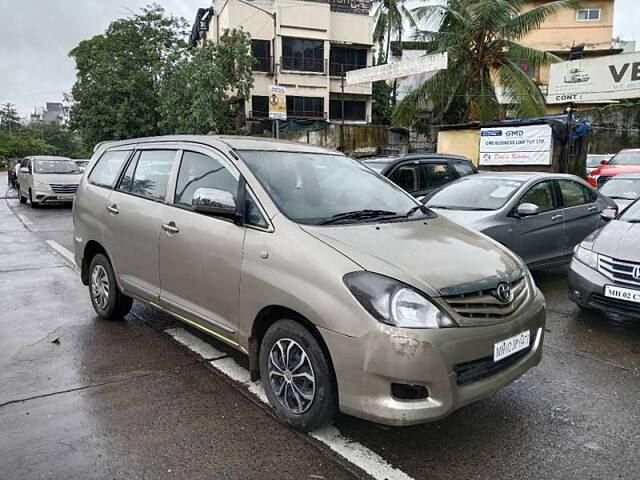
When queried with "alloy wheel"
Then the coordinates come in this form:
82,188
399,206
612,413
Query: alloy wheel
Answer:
100,286
291,376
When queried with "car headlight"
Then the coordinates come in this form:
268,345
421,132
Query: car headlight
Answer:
394,303
41,185
589,258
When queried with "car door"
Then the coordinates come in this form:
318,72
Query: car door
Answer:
134,219
201,255
25,177
581,212
540,238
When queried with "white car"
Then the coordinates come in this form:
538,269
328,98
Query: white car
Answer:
48,179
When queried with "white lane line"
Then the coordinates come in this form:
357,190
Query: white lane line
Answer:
24,219
353,452
62,251
195,344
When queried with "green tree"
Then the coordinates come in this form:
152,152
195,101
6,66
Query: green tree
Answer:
60,137
481,39
22,144
116,93
389,17
382,109
9,118
203,88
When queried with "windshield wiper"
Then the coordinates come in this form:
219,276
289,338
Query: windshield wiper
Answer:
620,198
359,215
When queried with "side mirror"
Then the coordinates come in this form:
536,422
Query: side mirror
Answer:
604,162
24,170
214,201
528,209
608,214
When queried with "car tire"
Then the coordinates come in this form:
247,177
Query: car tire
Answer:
23,199
305,397
107,299
33,204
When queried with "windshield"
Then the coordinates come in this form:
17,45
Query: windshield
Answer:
627,189
377,166
313,188
626,158
475,193
55,166
631,213
593,161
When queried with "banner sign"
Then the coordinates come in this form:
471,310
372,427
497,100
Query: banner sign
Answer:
526,145
361,7
614,77
277,102
389,71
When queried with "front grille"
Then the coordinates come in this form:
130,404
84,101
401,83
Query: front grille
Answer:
620,271
64,187
602,179
485,367
613,305
483,304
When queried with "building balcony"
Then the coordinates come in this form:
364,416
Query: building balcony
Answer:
337,69
263,65
303,65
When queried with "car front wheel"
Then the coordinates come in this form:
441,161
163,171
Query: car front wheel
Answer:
297,377
107,299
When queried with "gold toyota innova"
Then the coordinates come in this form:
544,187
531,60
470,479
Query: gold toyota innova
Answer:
345,293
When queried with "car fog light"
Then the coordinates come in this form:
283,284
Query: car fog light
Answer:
402,391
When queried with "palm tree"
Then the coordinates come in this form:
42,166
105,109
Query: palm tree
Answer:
389,16
481,40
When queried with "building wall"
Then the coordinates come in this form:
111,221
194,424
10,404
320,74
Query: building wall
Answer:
460,142
299,19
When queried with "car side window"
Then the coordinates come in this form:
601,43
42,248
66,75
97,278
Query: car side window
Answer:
463,168
105,171
406,177
148,174
198,170
252,213
541,194
435,174
574,194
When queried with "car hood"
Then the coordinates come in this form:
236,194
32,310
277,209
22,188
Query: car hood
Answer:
430,255
616,169
622,204
70,178
468,218
616,239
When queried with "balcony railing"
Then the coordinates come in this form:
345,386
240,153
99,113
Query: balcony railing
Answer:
298,64
263,64
258,114
307,114
336,69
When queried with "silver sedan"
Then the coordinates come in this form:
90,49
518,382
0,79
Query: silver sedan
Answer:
539,216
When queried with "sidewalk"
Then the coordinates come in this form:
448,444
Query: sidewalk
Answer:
84,398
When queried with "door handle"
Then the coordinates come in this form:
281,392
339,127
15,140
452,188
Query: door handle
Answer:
556,217
170,227
593,209
113,209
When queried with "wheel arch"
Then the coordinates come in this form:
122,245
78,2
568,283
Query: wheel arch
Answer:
91,249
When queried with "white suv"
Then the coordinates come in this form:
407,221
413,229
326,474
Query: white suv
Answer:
48,179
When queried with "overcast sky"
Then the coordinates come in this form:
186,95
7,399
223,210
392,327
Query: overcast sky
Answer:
36,36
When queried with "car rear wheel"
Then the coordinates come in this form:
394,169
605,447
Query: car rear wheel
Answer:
107,299
297,377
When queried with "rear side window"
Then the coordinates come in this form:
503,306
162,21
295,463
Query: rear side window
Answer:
148,174
463,168
435,174
406,177
202,171
105,172
574,194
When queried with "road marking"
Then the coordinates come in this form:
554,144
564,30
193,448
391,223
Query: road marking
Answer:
24,219
62,251
354,452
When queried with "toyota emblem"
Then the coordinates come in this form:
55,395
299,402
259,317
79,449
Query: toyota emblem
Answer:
503,293
636,273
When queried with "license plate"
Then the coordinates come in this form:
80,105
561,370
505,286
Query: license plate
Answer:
620,293
64,197
511,345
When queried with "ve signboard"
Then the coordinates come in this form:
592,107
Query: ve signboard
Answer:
524,145
277,102
614,77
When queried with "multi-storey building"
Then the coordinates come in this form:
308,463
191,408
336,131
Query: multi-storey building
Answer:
304,46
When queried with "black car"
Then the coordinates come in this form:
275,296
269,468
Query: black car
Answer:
422,173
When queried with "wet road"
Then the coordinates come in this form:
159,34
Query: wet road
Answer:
81,398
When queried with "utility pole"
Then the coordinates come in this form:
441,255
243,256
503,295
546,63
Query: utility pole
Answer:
342,110
576,53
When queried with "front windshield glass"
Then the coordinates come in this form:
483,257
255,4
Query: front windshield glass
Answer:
593,161
55,166
631,213
475,193
626,189
314,188
626,158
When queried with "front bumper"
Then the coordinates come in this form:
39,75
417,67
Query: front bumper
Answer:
49,196
586,288
366,367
